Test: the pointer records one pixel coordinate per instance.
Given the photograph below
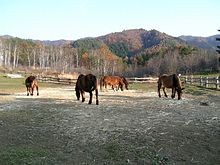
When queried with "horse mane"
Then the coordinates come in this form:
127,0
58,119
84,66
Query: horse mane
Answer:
176,81
30,79
93,80
125,81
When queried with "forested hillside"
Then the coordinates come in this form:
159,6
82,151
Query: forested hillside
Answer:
135,52
202,42
153,52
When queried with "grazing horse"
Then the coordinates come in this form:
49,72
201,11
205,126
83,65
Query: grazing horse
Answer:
113,81
31,83
170,81
87,83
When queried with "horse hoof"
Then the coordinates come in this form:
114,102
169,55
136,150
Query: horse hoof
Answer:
90,102
37,94
97,102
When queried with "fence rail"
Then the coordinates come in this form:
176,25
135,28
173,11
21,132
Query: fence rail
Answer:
142,80
66,81
207,82
57,80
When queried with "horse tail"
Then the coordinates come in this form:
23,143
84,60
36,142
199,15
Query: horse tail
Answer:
77,86
159,84
77,91
94,82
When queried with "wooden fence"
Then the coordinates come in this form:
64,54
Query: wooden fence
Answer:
207,82
57,80
66,81
142,80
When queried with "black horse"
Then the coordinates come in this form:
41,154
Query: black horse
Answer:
87,83
31,83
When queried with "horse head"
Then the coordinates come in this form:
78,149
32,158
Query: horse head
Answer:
125,82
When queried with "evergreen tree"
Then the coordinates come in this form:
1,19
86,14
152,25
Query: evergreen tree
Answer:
218,50
218,39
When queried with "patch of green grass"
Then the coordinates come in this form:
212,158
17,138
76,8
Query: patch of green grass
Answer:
12,85
143,86
114,151
197,90
25,156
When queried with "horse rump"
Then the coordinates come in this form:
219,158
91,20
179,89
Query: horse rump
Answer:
31,83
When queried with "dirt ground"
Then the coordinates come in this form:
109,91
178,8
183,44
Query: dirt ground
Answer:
130,127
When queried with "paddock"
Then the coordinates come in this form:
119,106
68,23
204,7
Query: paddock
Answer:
128,127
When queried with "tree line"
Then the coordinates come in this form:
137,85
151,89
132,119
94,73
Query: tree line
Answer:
16,52
94,55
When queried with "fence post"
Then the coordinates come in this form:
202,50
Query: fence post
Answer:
186,79
201,81
217,82
207,82
191,79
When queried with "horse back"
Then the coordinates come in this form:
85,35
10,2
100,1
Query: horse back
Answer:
86,83
169,81
30,81
112,80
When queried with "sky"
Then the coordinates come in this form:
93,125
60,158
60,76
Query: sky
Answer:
75,19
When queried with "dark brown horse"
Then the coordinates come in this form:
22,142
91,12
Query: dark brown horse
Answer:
113,81
170,81
31,83
87,83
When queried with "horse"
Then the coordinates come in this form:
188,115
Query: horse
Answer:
125,82
113,81
170,81
31,83
87,83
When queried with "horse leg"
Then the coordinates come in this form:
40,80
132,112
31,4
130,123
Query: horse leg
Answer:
90,99
113,88
159,86
179,94
96,95
83,96
37,91
116,87
173,93
106,87
27,91
121,85
77,92
32,91
164,91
